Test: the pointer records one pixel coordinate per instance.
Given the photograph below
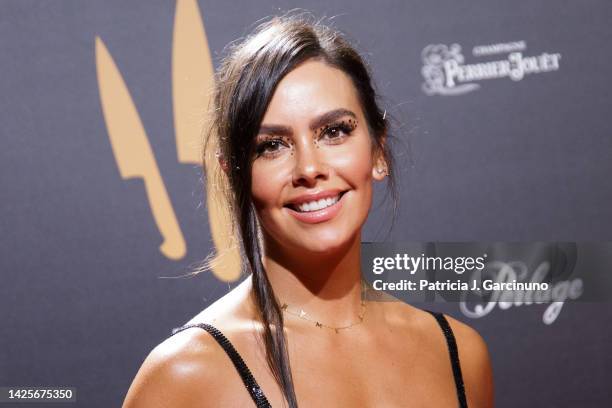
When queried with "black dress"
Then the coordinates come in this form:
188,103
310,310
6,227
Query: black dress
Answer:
260,399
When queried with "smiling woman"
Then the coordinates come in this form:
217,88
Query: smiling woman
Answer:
313,192
301,141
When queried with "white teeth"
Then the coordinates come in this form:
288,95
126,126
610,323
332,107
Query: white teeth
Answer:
318,205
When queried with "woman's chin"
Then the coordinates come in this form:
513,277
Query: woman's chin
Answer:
318,241
324,245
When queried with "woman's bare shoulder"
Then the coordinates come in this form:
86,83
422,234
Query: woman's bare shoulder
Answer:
177,372
186,369
475,364
473,351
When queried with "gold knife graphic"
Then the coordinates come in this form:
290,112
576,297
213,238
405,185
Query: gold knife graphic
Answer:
132,149
192,85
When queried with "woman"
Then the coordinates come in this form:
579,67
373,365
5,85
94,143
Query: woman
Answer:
301,141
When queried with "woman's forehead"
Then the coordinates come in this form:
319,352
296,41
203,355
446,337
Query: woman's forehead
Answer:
311,89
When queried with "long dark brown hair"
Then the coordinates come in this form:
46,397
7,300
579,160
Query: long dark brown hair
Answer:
245,82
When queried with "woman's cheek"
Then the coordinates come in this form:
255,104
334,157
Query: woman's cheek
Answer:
355,165
259,190
266,185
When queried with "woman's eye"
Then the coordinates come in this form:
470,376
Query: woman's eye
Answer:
335,132
269,147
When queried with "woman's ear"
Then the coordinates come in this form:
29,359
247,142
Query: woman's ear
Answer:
222,162
380,169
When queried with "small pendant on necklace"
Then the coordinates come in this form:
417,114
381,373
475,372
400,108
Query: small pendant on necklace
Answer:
337,331
302,313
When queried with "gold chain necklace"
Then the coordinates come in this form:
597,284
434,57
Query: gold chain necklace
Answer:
302,314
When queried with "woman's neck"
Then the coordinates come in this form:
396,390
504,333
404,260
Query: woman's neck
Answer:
325,286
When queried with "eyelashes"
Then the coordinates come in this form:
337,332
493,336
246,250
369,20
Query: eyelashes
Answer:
271,146
338,129
332,134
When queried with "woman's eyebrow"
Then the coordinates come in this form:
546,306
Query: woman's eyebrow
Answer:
319,121
330,116
275,130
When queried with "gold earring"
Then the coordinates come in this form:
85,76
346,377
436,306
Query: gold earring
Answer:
380,170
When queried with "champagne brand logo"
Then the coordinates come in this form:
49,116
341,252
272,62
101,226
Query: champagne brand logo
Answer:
510,272
192,80
446,73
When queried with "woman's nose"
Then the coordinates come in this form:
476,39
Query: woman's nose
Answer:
309,163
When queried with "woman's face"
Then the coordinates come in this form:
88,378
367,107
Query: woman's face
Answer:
313,140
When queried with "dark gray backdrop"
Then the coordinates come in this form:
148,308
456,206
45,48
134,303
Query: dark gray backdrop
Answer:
81,302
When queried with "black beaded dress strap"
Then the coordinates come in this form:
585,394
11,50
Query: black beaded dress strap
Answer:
247,378
454,356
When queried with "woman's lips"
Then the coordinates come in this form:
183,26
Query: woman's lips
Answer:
314,217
